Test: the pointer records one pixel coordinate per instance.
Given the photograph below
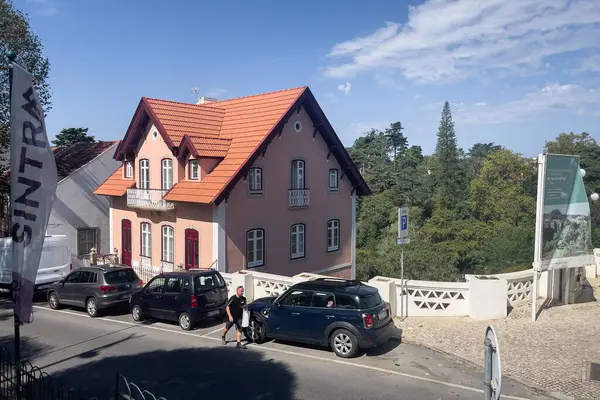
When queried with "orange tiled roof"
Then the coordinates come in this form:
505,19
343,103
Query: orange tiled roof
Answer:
232,129
210,146
115,185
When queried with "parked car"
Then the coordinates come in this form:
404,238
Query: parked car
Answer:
185,296
95,288
344,314
55,262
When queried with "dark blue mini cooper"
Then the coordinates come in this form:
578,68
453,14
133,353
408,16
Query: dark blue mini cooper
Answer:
344,314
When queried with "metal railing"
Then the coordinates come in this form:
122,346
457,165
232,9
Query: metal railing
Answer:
299,198
148,199
127,390
34,383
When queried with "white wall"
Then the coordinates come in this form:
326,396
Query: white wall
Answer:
76,206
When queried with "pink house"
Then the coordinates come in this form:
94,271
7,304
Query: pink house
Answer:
259,182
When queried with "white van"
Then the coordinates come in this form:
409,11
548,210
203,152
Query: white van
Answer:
55,262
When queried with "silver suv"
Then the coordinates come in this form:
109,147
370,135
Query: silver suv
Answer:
95,288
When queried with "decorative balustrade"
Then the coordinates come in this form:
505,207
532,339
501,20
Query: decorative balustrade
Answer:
299,198
520,285
269,284
148,199
425,298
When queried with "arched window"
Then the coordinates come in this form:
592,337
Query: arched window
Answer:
167,174
297,241
255,248
333,235
144,174
168,243
146,240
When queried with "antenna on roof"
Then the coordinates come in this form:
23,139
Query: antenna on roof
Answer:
196,91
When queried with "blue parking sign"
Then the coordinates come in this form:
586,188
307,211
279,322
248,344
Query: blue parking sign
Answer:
403,225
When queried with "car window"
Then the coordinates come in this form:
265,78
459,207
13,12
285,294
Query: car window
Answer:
86,277
208,281
157,285
120,276
322,300
174,285
74,277
296,298
345,301
187,286
369,301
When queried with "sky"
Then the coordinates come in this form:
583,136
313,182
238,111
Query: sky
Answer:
516,73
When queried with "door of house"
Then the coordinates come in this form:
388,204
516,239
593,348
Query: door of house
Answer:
126,242
192,249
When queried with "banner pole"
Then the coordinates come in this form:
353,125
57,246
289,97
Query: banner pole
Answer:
17,323
539,225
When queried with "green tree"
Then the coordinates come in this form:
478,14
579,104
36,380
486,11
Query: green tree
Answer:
16,35
397,141
69,136
475,157
371,153
447,172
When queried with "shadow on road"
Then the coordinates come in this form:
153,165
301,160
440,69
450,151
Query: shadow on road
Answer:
187,373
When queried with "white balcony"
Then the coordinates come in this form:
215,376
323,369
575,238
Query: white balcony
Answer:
148,199
299,198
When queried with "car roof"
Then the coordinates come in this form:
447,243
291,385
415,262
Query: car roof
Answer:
344,285
102,268
190,272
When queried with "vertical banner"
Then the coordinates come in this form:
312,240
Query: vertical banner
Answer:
33,187
567,229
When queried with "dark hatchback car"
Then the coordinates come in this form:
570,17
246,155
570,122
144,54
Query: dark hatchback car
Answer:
344,314
185,296
95,288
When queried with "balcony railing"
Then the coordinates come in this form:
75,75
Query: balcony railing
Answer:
299,198
148,199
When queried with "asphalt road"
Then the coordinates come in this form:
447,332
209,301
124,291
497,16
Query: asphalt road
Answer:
85,353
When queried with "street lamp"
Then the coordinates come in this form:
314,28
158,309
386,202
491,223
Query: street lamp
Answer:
594,196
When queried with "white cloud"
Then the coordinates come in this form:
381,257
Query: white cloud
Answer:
591,64
480,104
345,88
553,98
449,40
45,7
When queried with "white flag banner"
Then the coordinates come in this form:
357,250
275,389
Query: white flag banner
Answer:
32,189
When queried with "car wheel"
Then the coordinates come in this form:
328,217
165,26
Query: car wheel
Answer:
344,343
256,331
91,306
136,314
185,321
53,301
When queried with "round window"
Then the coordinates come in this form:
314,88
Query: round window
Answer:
155,135
298,126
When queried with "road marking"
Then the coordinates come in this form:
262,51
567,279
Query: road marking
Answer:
210,333
287,352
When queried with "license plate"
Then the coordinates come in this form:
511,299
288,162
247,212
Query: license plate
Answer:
382,314
211,313
126,296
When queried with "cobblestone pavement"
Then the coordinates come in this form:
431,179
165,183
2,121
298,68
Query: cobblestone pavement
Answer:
550,354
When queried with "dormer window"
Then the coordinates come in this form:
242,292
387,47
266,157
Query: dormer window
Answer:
128,170
194,170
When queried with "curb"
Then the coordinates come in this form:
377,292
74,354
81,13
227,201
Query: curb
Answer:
529,385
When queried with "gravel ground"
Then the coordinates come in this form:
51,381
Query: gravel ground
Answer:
551,354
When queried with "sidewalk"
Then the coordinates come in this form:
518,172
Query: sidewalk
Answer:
551,354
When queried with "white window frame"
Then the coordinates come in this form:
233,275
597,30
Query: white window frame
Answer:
333,235
334,181
298,175
167,173
297,241
146,240
128,170
93,242
168,243
194,170
144,173
255,180
255,242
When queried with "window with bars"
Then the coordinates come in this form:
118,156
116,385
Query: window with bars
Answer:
86,240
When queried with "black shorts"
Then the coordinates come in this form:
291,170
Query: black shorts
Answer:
236,321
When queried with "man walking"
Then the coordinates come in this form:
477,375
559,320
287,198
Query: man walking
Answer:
234,309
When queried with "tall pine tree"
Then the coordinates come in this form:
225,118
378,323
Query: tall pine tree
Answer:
448,176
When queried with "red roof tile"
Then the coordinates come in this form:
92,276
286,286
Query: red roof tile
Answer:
115,185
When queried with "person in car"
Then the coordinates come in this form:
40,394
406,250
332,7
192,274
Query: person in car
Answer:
234,309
